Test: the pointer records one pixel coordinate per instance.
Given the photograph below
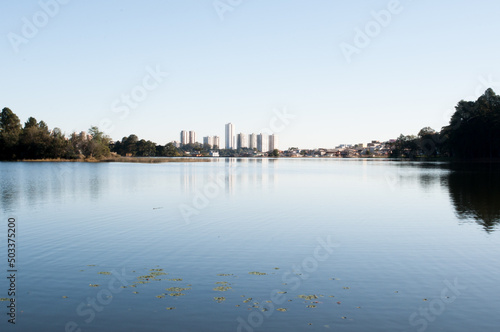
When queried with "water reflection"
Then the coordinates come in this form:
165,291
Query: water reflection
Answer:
234,173
474,189
475,193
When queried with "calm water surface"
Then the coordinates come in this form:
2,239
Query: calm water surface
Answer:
336,245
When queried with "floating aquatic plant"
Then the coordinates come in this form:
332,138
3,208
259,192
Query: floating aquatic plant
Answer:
94,285
219,299
222,288
176,289
308,297
170,308
105,273
176,294
258,273
282,309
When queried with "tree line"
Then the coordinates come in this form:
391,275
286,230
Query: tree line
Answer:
34,140
473,133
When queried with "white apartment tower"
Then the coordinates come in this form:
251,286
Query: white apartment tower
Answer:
263,142
192,137
230,138
273,142
184,137
252,141
212,141
242,141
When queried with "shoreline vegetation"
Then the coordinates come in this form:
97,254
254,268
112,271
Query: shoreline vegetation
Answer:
473,134
120,159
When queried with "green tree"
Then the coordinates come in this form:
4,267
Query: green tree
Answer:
10,130
98,145
171,151
474,129
35,140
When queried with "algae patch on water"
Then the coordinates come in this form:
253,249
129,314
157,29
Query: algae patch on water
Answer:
308,297
177,289
105,273
170,308
282,309
219,299
222,288
258,273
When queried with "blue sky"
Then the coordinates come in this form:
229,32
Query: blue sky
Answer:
262,57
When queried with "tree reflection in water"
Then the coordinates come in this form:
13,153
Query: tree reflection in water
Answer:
475,193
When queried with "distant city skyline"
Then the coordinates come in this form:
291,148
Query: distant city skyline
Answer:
345,72
263,142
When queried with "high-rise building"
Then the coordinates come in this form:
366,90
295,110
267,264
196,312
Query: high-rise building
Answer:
273,142
252,141
212,141
241,141
263,142
208,140
184,137
192,137
230,138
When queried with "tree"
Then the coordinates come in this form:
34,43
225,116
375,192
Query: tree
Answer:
35,140
98,145
275,153
474,129
10,129
171,151
146,148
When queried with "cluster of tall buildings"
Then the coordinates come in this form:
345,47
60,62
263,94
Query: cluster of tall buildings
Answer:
188,137
260,142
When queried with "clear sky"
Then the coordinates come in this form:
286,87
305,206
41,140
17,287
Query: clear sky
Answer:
72,63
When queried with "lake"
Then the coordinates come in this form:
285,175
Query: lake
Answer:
252,245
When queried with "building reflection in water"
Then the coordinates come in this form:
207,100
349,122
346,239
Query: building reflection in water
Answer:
234,174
